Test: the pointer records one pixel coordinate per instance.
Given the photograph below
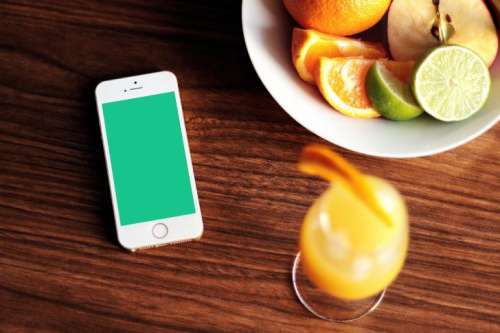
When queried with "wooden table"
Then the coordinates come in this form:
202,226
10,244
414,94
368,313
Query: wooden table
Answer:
61,268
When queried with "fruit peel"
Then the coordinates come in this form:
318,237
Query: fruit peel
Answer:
391,97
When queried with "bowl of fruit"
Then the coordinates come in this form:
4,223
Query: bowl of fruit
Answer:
398,79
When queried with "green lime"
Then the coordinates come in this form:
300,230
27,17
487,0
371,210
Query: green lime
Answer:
390,96
451,83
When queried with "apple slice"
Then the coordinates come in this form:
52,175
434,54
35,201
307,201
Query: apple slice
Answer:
411,31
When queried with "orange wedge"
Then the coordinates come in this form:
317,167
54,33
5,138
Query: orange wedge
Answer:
341,81
308,46
321,161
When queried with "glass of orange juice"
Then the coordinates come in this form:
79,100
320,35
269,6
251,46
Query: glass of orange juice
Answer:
353,241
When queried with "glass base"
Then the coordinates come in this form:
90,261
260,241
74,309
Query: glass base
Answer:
325,306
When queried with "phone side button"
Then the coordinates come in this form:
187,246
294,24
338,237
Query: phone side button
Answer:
160,230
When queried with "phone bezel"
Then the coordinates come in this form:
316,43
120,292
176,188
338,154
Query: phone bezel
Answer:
180,228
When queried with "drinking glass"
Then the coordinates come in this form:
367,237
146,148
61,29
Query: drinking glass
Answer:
348,255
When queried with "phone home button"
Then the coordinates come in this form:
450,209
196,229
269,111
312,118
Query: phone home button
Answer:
160,230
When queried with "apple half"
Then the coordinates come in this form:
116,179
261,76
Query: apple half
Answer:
410,27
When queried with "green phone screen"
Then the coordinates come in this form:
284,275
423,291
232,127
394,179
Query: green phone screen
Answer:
146,149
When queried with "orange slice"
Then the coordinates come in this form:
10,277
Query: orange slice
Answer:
321,161
341,81
308,46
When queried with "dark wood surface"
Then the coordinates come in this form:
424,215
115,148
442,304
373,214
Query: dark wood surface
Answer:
61,268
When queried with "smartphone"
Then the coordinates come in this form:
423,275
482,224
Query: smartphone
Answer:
151,178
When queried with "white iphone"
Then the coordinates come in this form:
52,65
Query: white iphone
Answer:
149,167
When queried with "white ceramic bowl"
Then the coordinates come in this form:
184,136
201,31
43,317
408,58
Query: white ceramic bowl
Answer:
267,30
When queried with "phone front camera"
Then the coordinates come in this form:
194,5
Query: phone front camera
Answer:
125,90
135,82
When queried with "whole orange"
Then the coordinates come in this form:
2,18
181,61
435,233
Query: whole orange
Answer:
337,17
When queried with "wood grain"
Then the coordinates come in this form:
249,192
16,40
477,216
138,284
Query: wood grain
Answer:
61,269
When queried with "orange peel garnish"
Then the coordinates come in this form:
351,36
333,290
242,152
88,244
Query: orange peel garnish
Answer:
319,160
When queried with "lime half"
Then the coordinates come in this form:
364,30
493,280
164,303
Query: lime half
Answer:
451,83
391,97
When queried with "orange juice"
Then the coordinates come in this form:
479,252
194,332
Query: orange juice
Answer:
347,249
